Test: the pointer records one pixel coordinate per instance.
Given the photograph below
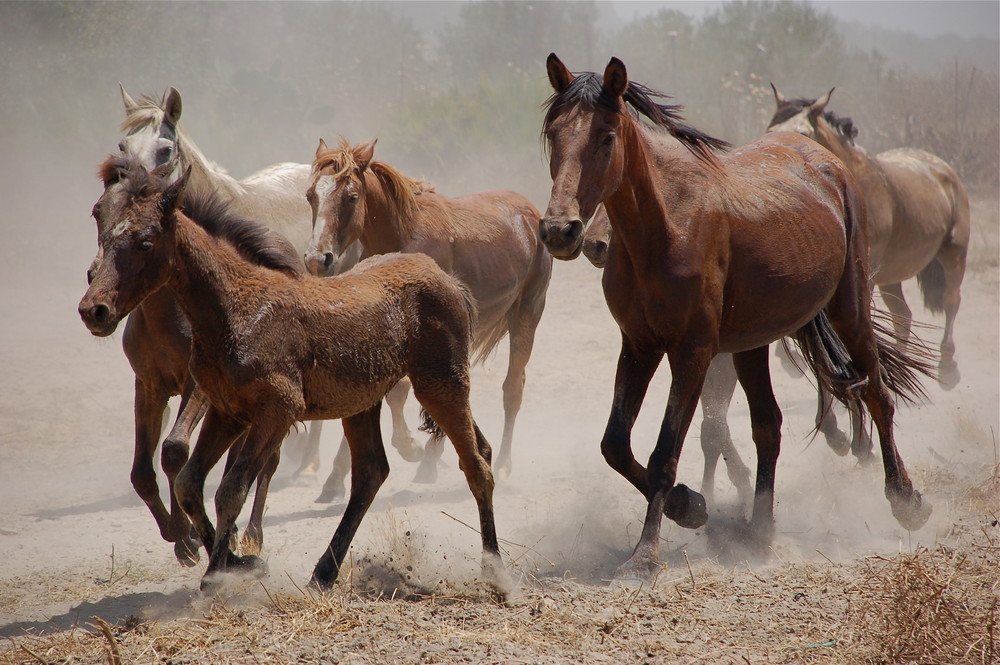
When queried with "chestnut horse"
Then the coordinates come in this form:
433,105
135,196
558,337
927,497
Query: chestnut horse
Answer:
716,255
273,345
489,240
157,339
716,396
918,217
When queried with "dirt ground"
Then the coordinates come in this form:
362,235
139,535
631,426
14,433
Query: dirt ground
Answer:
842,583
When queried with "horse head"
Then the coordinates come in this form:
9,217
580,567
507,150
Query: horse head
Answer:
151,128
809,117
337,198
135,221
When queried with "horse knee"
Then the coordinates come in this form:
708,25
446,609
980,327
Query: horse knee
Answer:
618,456
173,456
144,482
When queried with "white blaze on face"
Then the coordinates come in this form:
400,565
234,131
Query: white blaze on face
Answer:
799,124
324,187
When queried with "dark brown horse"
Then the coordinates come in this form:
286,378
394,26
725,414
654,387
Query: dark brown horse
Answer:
716,255
716,395
272,345
918,217
489,240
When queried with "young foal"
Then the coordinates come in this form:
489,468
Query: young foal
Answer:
489,240
272,345
716,255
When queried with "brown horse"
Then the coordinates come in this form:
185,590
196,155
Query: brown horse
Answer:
716,395
488,240
918,217
272,346
716,255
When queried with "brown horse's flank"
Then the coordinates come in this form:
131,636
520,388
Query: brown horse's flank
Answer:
272,346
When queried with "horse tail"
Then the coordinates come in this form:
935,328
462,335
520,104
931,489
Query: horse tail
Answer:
901,362
428,426
932,284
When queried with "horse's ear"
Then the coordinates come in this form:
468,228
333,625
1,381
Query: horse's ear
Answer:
172,107
615,78
130,104
559,76
321,148
819,105
363,154
779,99
173,195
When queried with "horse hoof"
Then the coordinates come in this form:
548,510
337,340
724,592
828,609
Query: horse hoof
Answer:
426,474
502,471
186,552
911,511
686,507
408,448
252,543
838,442
948,375
330,496
635,572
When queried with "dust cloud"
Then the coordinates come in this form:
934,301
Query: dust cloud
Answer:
70,523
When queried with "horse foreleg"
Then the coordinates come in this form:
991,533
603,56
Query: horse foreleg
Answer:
173,456
402,439
259,447
635,371
688,367
309,464
716,396
218,432
334,488
253,537
765,419
369,469
148,410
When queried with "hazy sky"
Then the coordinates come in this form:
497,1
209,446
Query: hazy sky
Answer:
929,18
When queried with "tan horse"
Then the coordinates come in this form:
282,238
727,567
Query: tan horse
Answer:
273,345
918,217
716,255
488,240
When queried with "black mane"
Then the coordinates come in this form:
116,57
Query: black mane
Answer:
254,241
792,107
587,89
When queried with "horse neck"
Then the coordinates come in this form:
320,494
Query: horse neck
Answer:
637,210
207,177
386,227
209,281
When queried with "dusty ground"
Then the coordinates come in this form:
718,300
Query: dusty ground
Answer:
843,582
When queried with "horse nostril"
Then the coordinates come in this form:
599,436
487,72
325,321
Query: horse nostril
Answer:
328,259
543,232
572,230
602,247
99,313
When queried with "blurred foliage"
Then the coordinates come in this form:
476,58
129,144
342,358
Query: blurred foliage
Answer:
454,90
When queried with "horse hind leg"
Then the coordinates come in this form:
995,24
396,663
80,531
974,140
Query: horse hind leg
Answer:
716,441
941,282
334,489
522,323
850,316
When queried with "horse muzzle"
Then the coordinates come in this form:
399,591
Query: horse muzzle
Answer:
562,237
101,319
322,264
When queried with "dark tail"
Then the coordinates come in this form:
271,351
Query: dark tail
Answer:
901,363
428,426
931,282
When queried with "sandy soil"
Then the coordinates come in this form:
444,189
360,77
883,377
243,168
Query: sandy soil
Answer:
76,543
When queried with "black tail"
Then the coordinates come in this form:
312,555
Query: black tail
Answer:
901,362
428,426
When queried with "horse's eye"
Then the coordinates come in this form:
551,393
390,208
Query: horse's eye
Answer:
353,197
121,146
145,245
163,155
608,140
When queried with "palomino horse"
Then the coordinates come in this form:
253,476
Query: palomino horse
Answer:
716,255
273,345
157,339
918,217
716,396
489,240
